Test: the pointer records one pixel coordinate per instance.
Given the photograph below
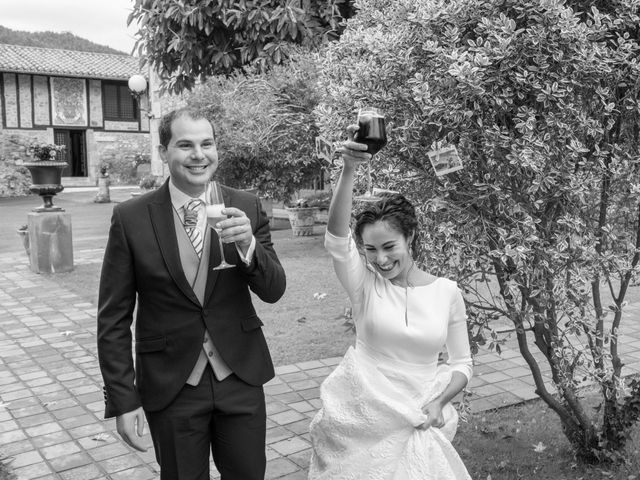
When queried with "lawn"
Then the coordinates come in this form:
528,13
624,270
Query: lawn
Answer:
518,442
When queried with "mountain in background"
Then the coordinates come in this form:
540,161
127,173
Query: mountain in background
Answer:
64,40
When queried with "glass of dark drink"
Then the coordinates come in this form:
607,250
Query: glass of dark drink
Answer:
372,131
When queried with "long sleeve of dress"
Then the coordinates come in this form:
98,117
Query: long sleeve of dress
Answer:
457,337
348,265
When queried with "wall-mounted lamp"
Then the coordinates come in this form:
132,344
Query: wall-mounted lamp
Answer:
138,85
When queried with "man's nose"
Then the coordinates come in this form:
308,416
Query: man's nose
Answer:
197,152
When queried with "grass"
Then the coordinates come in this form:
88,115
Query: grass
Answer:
5,472
526,442
307,324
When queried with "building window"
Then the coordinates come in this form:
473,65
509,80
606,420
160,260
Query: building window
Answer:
118,102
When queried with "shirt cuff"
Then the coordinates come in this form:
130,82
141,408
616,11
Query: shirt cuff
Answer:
249,257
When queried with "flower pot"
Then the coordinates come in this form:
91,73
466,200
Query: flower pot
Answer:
46,178
302,220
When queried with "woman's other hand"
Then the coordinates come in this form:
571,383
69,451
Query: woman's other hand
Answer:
435,418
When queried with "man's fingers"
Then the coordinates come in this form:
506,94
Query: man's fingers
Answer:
130,427
134,442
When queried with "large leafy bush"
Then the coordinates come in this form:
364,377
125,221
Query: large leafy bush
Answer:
265,127
542,226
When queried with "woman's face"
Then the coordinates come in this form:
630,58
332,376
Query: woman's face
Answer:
386,249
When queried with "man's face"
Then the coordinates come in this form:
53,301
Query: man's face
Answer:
191,154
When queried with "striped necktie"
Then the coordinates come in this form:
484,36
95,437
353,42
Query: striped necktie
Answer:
191,209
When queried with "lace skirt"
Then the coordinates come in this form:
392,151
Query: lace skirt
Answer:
366,428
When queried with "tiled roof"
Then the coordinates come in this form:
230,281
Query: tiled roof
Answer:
67,63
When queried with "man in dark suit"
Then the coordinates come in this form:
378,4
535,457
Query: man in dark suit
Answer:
201,357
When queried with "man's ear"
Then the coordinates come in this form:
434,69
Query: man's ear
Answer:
162,150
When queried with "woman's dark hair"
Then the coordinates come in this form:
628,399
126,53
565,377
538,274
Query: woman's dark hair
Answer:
392,208
164,130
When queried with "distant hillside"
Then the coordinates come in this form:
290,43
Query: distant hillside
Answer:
64,40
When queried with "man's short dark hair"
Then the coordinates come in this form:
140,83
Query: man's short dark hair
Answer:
164,130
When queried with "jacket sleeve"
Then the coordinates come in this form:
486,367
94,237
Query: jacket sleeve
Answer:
116,303
265,275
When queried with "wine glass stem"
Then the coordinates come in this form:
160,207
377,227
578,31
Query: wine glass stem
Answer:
221,245
369,185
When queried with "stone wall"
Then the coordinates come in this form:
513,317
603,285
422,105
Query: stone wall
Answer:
118,151
14,180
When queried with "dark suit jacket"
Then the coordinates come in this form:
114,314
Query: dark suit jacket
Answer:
142,263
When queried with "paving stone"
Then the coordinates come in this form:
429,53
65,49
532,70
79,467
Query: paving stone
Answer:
67,462
11,436
59,450
86,472
279,467
108,451
14,448
32,472
122,462
51,439
277,389
137,473
277,434
294,376
8,425
288,416
286,369
291,445
26,458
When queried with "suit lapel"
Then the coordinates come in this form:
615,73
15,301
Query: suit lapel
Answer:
161,213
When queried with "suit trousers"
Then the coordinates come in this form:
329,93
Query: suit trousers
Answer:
228,417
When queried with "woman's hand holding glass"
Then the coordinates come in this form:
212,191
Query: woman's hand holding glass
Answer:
353,153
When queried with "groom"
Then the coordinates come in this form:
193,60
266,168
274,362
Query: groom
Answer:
201,357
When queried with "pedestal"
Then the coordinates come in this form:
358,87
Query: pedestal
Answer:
103,195
50,242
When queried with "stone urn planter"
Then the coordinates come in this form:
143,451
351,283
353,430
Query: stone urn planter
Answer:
302,220
46,181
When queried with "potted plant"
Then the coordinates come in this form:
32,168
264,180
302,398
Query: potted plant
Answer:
148,182
302,217
46,169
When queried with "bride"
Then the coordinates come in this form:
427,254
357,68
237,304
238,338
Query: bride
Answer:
386,411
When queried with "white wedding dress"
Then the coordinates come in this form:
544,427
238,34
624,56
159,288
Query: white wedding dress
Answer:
371,403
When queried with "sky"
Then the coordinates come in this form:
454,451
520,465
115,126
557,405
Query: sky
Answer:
101,21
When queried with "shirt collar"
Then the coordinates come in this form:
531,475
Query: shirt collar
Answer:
179,198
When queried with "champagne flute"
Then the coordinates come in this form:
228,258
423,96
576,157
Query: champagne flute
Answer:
215,215
372,132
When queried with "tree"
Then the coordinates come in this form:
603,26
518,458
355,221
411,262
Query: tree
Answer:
542,226
187,40
265,125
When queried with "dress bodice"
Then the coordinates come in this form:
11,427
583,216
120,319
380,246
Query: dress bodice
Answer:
411,324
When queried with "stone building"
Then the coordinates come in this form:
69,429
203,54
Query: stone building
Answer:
72,98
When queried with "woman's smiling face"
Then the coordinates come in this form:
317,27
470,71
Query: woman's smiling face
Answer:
387,250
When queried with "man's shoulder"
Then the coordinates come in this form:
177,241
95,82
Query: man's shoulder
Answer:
139,202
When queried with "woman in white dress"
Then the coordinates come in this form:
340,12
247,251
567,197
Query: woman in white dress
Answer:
386,411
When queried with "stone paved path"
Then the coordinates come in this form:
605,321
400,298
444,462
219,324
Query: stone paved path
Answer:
51,403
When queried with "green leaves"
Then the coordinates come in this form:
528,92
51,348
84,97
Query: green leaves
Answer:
543,107
192,39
